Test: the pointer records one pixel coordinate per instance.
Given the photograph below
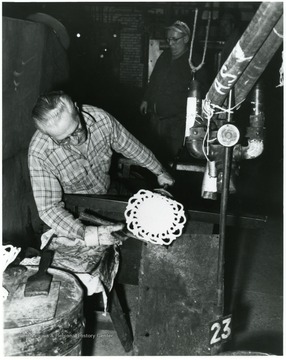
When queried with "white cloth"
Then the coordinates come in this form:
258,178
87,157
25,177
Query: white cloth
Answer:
91,237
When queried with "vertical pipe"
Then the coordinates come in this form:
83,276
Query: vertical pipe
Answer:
222,222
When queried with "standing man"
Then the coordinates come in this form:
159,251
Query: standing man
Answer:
166,95
71,153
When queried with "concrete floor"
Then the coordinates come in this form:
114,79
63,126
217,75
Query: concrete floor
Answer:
255,293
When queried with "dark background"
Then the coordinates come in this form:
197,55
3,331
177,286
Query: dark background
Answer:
107,66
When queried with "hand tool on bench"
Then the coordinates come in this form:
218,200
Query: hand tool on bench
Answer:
36,300
40,283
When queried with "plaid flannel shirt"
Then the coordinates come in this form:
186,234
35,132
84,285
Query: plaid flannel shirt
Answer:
55,170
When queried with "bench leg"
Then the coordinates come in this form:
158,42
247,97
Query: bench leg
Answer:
119,321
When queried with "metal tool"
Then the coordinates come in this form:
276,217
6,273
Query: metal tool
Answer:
40,283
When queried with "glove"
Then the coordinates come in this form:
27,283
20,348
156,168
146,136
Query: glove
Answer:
101,235
165,179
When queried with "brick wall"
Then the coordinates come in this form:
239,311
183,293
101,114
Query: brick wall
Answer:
136,21
131,35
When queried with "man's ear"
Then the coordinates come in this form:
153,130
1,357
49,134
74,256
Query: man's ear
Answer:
186,39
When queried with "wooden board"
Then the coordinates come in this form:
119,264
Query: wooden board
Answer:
177,296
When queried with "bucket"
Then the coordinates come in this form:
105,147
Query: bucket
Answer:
43,325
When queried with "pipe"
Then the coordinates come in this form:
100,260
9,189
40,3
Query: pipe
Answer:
194,106
259,62
223,209
255,132
252,39
194,142
253,150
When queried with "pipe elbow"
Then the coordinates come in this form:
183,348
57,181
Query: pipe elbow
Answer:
195,148
253,150
194,142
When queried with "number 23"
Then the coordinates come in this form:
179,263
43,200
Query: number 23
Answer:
221,330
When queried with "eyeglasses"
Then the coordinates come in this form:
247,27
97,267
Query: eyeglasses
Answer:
79,130
175,40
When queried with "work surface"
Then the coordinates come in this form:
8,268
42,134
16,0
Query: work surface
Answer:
177,284
177,296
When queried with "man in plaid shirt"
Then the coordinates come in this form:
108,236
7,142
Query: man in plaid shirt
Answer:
71,152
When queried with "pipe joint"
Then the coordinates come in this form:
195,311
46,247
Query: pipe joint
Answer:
195,148
253,150
194,142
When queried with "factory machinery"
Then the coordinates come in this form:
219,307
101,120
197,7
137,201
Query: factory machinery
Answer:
212,132
181,286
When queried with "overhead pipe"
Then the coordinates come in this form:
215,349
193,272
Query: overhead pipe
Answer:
244,51
259,62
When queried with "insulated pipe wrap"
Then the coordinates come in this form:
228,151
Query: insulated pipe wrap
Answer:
252,39
259,62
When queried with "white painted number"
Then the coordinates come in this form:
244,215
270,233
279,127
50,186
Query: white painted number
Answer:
226,328
220,330
215,338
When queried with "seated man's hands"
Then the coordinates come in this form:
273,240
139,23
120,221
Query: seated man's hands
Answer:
101,235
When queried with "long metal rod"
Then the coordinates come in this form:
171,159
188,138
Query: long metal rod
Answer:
246,48
222,225
223,210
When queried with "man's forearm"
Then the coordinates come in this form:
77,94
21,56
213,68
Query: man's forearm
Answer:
63,222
